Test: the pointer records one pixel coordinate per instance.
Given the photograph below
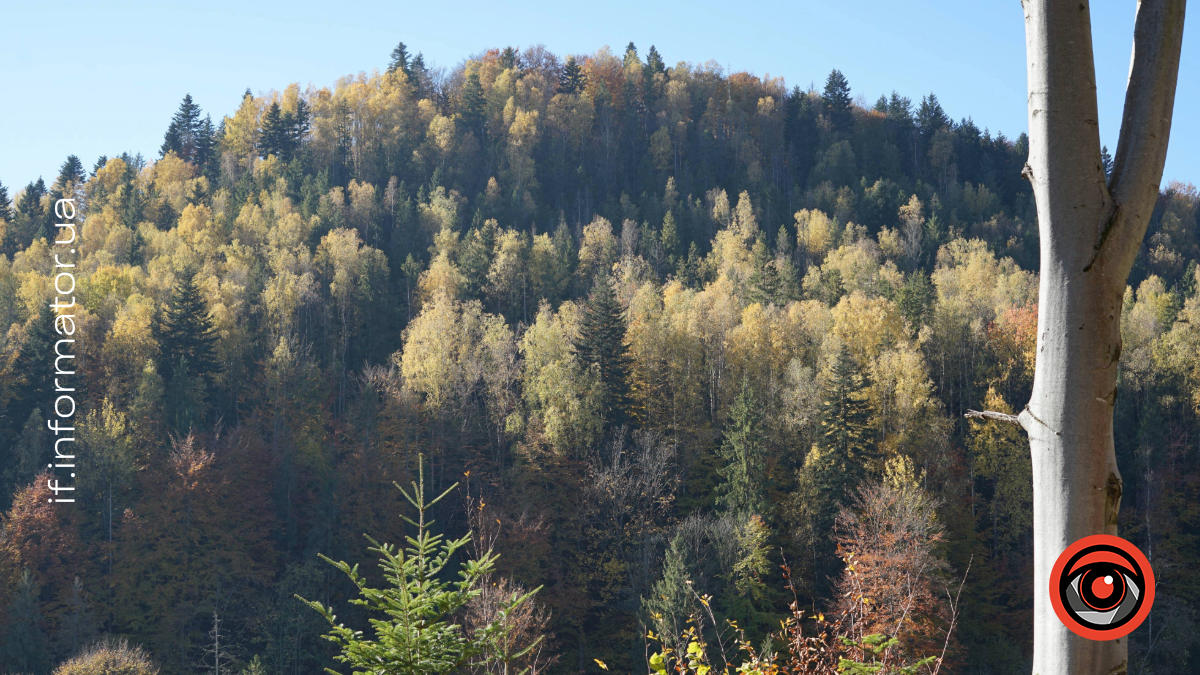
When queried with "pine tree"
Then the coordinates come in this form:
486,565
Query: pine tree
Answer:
1106,161
572,78
71,173
276,133
418,75
24,647
399,59
473,105
602,345
182,136
29,382
186,332
838,107
631,54
5,205
930,116
206,145
301,123
744,470
670,603
654,63
30,201
509,59
846,416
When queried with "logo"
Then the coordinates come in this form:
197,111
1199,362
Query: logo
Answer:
1102,587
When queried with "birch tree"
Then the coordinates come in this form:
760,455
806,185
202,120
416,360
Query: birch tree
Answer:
1091,227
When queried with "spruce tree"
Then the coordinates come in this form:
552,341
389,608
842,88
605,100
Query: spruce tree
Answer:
5,205
744,458
399,59
24,647
276,133
473,105
838,106
1106,161
70,173
654,62
183,133
846,416
30,201
670,603
602,345
508,59
930,116
571,80
185,333
30,380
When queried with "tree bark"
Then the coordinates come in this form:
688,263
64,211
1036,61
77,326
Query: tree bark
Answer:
1090,231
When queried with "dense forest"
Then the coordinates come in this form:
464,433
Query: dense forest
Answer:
695,346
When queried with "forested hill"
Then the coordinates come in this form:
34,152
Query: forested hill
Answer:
668,327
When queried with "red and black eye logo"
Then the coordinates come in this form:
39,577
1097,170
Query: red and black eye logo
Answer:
1102,587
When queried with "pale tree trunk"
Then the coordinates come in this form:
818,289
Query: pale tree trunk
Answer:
1090,232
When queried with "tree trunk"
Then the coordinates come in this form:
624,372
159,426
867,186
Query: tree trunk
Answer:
1090,232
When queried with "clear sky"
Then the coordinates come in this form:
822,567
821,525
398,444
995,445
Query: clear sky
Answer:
94,78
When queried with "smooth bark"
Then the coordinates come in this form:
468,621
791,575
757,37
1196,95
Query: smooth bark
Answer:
1090,232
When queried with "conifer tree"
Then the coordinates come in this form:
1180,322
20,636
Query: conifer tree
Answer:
508,58
185,333
183,134
602,345
631,54
5,205
24,646
838,106
29,383
654,63
670,603
744,471
930,116
399,59
846,416
572,78
276,133
1106,160
473,105
71,173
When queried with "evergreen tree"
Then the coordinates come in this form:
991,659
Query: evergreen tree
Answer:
572,78
399,59
71,173
744,469
930,116
5,205
418,75
30,380
185,334
206,145
414,629
670,603
631,54
846,416
276,133
473,105
301,123
838,107
184,132
30,201
24,647
602,345
508,59
1106,161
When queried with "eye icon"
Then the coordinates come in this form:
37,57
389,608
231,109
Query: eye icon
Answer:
1102,587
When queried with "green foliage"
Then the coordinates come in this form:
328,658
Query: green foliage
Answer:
418,634
876,647
602,346
23,649
743,487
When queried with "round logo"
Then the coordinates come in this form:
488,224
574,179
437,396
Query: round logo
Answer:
1101,587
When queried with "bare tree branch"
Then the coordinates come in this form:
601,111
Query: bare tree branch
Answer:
992,415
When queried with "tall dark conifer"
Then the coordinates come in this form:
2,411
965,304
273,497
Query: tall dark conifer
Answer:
5,205
276,133
572,78
186,332
473,105
846,417
602,345
183,134
838,106
399,59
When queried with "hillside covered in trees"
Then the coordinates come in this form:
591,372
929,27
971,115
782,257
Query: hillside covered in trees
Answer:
670,329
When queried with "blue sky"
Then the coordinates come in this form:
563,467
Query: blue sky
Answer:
102,78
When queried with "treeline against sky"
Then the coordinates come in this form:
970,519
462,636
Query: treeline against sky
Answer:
662,324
